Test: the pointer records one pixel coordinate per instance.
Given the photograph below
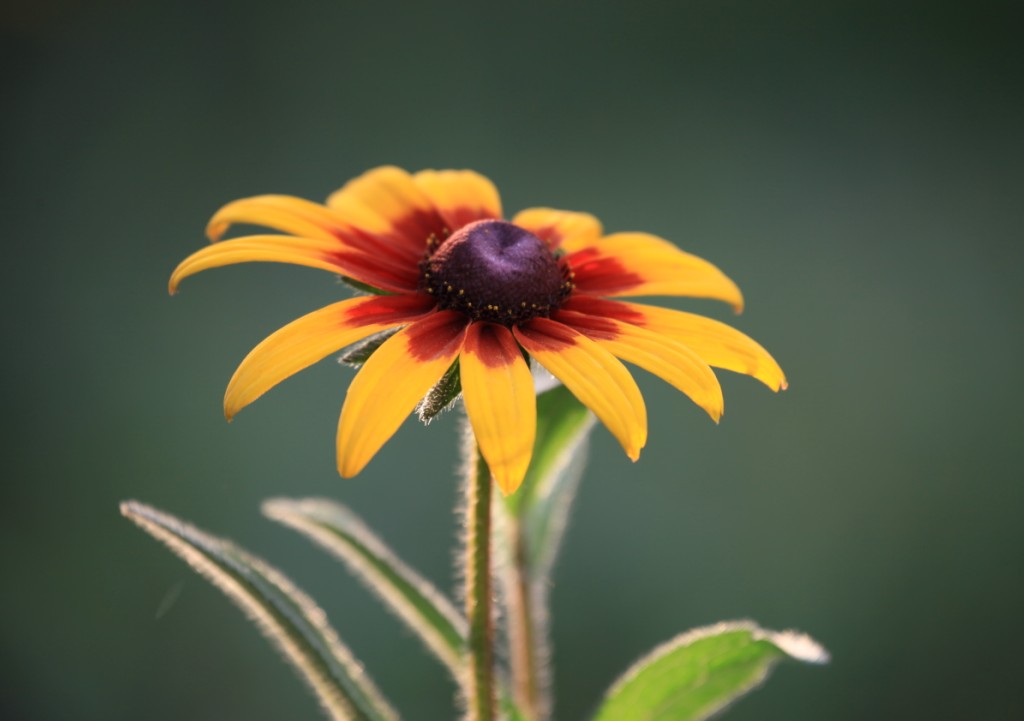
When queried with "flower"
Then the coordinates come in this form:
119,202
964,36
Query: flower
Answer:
465,285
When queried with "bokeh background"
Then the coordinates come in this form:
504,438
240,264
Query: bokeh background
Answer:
856,167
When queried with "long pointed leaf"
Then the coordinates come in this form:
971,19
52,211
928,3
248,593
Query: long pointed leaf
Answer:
285,615
701,672
531,525
542,504
421,606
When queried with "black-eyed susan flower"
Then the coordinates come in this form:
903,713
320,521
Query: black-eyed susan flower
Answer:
465,285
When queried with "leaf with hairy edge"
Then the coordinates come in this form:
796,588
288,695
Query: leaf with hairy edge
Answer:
342,533
701,672
285,615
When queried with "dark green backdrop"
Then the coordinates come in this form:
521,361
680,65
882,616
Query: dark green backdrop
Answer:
856,168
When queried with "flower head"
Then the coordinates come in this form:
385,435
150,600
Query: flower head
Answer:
463,284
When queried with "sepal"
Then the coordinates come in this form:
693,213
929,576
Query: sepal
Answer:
441,396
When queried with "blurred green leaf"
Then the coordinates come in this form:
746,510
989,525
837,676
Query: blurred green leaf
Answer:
542,503
419,604
414,599
285,615
701,672
531,524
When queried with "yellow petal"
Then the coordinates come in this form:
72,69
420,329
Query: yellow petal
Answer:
290,215
460,196
387,202
720,345
313,337
377,270
498,390
626,264
392,382
310,252
593,375
561,229
669,360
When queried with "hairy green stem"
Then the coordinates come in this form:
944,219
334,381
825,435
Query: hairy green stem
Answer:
479,592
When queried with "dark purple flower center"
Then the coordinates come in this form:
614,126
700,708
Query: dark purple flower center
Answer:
494,270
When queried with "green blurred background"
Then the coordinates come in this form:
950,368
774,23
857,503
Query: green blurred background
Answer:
856,168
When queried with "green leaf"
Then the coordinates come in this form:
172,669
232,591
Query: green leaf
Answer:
283,613
542,503
701,672
343,534
442,396
361,352
531,525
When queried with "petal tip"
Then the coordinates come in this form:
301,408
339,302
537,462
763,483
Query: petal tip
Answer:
174,281
633,451
215,230
347,468
736,297
231,405
349,464
508,485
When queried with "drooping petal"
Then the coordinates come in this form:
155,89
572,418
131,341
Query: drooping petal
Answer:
641,264
593,375
387,203
460,196
392,382
720,345
313,337
668,359
497,387
310,252
560,229
374,270
294,216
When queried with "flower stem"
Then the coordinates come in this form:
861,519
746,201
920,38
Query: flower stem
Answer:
479,592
